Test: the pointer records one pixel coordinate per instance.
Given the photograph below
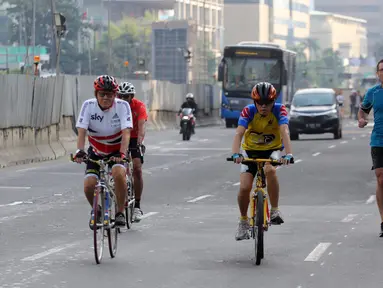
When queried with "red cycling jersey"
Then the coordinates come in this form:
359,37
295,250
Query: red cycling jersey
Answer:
139,113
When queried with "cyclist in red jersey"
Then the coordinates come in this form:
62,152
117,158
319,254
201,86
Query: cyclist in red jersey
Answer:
126,91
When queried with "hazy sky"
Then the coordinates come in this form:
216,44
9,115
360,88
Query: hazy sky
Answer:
312,4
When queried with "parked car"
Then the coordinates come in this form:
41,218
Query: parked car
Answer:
314,111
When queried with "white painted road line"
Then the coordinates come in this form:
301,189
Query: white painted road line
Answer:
48,252
363,135
195,149
371,199
343,142
167,154
316,154
349,218
28,169
146,215
236,184
12,204
297,161
317,252
353,138
14,187
332,146
199,198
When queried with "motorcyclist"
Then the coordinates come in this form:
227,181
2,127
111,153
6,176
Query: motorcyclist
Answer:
189,103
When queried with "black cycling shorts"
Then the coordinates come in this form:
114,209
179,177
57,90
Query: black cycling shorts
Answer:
134,151
377,157
92,169
252,168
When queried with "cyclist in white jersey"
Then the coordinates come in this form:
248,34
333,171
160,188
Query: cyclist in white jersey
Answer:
108,121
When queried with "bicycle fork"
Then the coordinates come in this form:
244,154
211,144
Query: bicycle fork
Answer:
253,203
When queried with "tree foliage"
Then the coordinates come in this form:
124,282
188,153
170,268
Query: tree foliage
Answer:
323,68
21,13
130,39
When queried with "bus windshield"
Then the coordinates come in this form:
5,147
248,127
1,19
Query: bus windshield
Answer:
244,73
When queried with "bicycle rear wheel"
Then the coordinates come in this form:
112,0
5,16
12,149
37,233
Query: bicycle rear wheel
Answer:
112,229
98,228
128,211
258,228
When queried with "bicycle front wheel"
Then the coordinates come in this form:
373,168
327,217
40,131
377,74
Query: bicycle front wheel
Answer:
258,228
112,229
128,210
98,228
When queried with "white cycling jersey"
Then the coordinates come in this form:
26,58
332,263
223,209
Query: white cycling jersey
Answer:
104,127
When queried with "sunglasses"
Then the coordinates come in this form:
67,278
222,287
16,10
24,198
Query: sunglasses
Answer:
125,96
106,94
261,103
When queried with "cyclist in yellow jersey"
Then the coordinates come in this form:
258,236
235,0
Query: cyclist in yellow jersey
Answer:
265,127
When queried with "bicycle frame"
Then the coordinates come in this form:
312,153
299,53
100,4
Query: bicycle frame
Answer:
259,190
105,190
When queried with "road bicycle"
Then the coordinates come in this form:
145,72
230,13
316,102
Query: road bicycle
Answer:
130,195
259,205
105,207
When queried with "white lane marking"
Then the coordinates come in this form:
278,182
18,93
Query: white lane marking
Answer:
331,146
343,142
318,252
195,149
353,138
297,161
371,199
316,154
199,198
48,252
8,218
339,243
146,172
330,253
349,218
168,154
203,140
28,169
146,215
64,173
312,274
15,187
345,236
236,184
363,135
16,203
165,142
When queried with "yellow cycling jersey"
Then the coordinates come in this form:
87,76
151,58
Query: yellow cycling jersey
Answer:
262,133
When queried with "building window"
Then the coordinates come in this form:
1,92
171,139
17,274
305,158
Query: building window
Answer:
296,24
353,8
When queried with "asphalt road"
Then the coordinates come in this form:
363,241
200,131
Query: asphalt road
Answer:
329,238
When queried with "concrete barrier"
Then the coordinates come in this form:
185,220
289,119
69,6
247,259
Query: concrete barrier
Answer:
38,115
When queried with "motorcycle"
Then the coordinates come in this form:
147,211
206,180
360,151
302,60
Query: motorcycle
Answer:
187,122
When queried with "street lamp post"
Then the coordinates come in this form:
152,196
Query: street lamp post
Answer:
61,29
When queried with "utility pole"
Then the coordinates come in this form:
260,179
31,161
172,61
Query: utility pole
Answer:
34,28
109,41
204,41
55,44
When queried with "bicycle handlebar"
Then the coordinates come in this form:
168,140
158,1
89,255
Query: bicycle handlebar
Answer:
259,160
98,162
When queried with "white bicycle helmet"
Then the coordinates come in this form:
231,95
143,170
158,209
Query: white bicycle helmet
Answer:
126,88
189,96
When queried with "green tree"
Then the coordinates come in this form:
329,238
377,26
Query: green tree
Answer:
130,39
21,13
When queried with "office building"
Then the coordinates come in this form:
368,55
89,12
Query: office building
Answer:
284,22
329,31
369,10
